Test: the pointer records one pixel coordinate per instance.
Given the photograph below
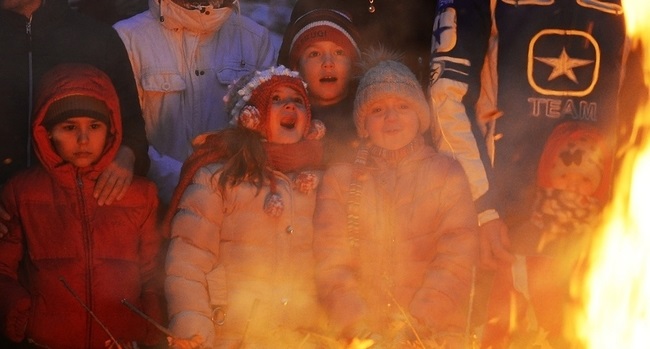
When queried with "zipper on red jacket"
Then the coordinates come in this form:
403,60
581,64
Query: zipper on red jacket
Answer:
86,236
28,32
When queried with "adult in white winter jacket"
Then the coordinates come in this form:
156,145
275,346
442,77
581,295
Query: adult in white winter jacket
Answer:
184,57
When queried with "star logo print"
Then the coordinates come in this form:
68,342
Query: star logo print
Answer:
563,65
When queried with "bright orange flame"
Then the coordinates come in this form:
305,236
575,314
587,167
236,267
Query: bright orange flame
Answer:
617,285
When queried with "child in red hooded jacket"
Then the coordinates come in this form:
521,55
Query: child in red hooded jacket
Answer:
67,262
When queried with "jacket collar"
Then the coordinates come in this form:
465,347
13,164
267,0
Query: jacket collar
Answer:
176,17
50,12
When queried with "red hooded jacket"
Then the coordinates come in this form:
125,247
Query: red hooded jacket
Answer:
59,236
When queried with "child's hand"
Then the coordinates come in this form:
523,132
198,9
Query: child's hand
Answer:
494,244
183,343
113,183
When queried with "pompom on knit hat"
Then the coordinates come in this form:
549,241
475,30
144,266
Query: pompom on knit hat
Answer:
320,25
75,106
248,100
386,76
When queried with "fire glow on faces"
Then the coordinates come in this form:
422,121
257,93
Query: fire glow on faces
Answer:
327,69
79,140
391,122
287,120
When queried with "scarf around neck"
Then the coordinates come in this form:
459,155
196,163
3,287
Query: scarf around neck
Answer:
303,155
174,16
393,157
285,158
378,154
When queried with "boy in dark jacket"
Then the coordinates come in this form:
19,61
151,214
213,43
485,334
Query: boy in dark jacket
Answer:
402,26
65,252
323,46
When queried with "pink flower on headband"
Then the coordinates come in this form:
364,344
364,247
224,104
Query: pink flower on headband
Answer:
250,118
316,130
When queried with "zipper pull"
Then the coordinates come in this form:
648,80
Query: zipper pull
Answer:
28,26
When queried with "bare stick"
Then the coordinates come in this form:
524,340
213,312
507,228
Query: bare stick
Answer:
406,316
160,328
74,294
407,319
470,313
252,314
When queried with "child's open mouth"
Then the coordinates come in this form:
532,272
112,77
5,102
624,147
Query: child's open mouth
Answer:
329,79
288,123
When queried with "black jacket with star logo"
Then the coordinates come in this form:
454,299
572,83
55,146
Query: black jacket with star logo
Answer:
547,62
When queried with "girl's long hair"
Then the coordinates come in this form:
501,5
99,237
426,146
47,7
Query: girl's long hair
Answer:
245,161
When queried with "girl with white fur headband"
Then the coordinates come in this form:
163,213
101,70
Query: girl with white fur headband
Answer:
240,264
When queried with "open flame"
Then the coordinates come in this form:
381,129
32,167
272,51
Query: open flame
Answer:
616,287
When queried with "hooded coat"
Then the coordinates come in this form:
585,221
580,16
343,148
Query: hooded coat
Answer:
59,235
239,263
53,35
410,249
